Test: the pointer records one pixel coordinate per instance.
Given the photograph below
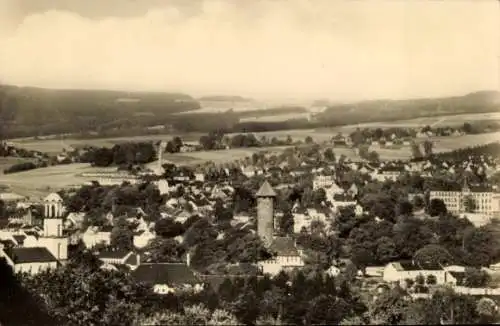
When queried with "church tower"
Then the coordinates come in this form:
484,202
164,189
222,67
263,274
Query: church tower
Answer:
53,238
265,212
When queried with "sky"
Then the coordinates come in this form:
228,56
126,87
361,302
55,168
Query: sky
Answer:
340,50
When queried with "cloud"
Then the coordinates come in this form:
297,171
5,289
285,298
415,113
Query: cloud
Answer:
339,50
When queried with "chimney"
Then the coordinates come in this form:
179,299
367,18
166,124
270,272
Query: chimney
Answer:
138,259
188,259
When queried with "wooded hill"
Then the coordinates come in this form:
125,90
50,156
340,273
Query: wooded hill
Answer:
36,111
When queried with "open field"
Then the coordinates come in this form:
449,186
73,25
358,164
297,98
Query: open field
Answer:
444,144
54,146
44,180
451,120
277,117
219,157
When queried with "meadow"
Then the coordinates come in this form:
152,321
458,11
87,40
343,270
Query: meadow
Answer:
35,183
277,117
56,146
451,120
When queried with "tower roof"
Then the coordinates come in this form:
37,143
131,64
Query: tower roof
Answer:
53,197
266,190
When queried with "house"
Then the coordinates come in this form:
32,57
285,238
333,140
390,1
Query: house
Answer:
333,271
402,270
163,187
333,190
142,238
95,235
343,200
287,256
74,220
168,277
30,260
323,181
120,257
389,172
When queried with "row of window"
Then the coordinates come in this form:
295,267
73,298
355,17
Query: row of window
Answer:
282,259
459,193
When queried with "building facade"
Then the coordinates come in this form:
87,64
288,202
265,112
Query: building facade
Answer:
485,201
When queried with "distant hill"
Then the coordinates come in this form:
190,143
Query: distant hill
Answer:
391,110
225,98
39,111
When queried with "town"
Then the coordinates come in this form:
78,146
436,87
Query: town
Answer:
274,238
271,162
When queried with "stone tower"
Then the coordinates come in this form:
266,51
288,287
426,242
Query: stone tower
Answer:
265,212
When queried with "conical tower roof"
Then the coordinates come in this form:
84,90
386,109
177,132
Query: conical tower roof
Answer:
266,190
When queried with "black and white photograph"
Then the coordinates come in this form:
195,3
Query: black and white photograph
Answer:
249,162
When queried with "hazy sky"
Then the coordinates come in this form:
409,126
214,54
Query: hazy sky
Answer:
283,48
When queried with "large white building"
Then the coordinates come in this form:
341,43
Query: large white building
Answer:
323,181
287,257
403,270
486,201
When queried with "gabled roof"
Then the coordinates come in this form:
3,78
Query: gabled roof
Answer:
31,255
106,228
408,265
284,246
132,260
19,238
266,190
165,273
7,243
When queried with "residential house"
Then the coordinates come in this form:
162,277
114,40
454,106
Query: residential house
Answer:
168,277
333,271
97,235
333,190
343,200
402,270
287,256
143,237
74,220
30,260
323,181
120,257
163,187
389,172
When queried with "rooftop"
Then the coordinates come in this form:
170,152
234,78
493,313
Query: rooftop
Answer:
408,265
266,190
165,273
284,246
53,197
113,254
31,255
